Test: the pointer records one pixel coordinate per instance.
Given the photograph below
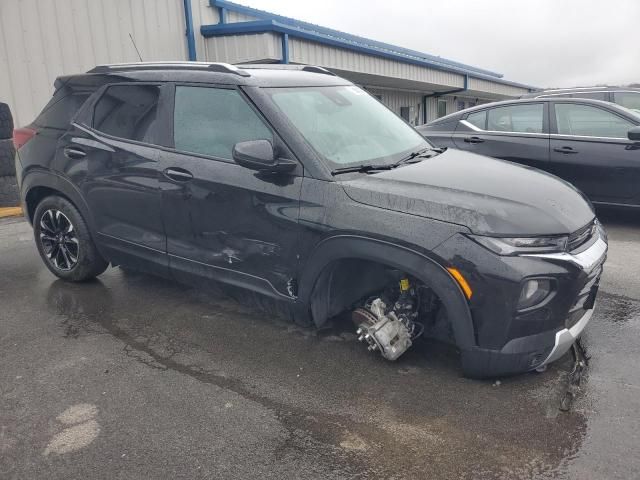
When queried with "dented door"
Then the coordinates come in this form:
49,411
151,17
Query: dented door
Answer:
223,221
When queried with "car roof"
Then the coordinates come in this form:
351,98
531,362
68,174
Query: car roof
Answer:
563,91
484,106
260,75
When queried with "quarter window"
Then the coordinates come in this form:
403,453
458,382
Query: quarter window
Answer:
210,121
60,113
584,120
128,111
591,95
527,118
478,119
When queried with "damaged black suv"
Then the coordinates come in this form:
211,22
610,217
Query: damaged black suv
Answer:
296,184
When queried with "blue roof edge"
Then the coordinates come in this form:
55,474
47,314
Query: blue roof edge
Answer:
347,36
261,26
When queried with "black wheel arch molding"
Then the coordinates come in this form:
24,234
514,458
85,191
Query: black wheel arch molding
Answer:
411,261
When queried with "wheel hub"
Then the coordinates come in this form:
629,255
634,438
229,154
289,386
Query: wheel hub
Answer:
58,240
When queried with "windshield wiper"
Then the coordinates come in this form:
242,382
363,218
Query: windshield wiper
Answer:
361,168
427,152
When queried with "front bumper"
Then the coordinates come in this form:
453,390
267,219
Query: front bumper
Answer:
566,337
532,340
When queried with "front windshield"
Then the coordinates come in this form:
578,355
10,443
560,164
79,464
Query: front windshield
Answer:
347,126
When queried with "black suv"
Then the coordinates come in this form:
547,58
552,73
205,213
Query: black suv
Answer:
296,184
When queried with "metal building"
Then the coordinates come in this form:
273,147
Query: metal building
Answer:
42,40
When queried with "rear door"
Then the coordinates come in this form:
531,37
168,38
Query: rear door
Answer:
590,148
112,155
223,221
518,133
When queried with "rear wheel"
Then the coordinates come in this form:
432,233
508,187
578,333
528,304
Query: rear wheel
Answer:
64,242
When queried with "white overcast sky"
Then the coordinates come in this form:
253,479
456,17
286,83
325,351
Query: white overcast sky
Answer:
546,43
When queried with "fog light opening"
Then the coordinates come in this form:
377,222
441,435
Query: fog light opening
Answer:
534,292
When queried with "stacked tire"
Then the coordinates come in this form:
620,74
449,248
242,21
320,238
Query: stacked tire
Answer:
9,195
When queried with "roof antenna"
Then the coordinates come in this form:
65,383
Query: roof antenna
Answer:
134,46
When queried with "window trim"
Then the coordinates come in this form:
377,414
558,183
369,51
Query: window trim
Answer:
554,124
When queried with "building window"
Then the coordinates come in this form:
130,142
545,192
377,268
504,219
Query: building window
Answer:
460,105
405,113
442,108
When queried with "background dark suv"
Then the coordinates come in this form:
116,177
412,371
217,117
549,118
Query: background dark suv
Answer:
298,185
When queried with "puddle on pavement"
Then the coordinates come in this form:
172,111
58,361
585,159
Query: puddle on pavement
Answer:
338,402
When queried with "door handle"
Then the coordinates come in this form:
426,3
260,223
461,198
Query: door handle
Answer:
565,150
74,153
473,140
178,174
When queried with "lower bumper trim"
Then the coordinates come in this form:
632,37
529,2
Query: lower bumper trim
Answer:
566,337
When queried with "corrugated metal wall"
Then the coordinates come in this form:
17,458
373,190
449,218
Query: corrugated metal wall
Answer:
303,51
454,104
395,100
260,47
264,47
42,39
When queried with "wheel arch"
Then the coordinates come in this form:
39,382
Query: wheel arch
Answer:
426,269
39,184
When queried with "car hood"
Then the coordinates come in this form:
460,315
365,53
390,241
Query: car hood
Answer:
488,196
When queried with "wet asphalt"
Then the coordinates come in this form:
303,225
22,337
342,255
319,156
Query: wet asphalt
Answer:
132,377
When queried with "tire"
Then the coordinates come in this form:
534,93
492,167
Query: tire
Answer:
7,159
69,253
6,121
9,193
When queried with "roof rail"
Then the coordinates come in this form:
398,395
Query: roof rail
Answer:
218,67
282,66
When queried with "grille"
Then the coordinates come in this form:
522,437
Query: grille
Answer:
582,236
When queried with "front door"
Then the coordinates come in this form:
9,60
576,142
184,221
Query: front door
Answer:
590,149
517,133
113,157
224,221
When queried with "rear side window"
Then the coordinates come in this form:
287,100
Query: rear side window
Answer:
128,111
58,114
478,119
629,100
527,118
210,121
588,121
591,95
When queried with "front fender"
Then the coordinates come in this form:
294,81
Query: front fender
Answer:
405,259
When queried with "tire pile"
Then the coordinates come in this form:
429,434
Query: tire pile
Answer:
9,196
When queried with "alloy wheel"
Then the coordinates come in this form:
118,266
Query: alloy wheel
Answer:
59,240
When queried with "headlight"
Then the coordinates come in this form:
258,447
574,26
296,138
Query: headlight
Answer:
533,292
518,245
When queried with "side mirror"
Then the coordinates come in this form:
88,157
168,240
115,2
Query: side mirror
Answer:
259,155
634,134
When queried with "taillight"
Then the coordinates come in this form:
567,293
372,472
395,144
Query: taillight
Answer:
22,136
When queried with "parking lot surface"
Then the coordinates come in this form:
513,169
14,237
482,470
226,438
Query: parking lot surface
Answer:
131,376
